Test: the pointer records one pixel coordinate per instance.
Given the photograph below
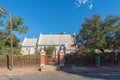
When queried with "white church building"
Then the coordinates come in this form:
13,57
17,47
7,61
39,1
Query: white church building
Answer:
33,45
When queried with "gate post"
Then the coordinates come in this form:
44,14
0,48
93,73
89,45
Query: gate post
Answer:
42,57
61,57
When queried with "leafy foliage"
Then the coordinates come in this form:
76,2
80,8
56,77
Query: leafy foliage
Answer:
18,26
3,14
49,49
62,33
97,33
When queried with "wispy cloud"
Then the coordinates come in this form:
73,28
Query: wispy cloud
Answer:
79,3
91,5
84,1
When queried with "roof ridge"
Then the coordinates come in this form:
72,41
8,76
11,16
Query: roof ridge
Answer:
55,34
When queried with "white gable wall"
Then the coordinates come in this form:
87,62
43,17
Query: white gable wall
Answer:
28,50
29,46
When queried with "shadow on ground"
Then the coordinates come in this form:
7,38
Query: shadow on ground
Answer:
105,73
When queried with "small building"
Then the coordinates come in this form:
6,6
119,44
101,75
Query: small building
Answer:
57,40
29,46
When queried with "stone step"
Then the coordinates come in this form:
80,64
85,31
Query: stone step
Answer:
49,68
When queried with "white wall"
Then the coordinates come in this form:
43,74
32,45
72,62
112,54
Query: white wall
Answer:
28,50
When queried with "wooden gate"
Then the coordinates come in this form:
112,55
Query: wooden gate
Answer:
51,59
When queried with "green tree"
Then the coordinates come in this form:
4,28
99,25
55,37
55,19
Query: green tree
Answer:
91,34
49,49
3,14
62,33
18,26
101,34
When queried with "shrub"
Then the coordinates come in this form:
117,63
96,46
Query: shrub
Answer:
88,52
71,58
49,49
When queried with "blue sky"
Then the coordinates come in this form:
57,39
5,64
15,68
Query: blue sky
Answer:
55,16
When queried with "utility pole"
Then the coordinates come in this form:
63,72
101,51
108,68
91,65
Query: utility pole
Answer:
11,44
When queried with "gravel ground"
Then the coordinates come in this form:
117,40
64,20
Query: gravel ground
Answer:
69,69
59,75
66,73
19,71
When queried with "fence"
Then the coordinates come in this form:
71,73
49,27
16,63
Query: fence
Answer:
21,61
107,59
34,60
3,61
82,60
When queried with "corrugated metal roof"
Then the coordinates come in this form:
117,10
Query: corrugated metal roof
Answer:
56,40
30,42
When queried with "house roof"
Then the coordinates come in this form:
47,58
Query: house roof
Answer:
29,42
54,39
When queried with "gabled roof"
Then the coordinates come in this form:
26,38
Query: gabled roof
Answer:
30,42
56,39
